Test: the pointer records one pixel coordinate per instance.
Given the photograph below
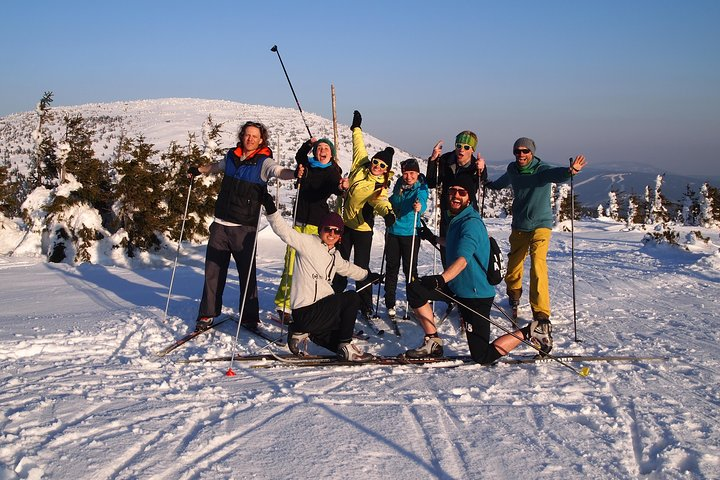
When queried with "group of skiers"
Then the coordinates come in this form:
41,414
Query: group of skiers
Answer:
312,298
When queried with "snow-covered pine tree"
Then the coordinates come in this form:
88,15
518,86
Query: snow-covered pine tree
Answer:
79,207
690,207
139,197
647,207
43,159
709,215
14,189
563,207
658,210
613,210
176,161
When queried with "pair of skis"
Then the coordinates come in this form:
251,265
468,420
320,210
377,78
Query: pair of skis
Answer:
450,361
216,323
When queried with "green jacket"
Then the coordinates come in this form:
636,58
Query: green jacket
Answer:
531,207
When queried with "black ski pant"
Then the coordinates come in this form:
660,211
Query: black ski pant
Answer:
361,242
237,242
329,321
399,248
477,328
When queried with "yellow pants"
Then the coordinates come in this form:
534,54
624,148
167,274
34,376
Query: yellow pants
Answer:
537,244
282,298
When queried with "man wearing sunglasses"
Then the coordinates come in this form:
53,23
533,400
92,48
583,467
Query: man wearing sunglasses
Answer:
464,278
319,314
366,196
532,221
443,169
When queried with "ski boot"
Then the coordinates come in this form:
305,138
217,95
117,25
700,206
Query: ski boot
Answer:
541,334
431,347
348,352
203,323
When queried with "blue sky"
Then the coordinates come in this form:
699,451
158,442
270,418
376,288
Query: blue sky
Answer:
620,81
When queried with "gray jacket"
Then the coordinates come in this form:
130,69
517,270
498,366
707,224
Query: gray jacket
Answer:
315,265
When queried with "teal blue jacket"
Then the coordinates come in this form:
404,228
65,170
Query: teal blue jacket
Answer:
531,207
402,201
467,237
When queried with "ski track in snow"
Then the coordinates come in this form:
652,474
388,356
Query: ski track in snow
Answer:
84,395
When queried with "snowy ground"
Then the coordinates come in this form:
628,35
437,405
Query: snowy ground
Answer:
84,395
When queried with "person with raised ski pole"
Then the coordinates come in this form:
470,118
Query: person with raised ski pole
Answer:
409,201
366,196
532,221
464,279
246,170
443,168
318,178
319,314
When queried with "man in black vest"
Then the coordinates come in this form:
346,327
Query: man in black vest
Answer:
246,168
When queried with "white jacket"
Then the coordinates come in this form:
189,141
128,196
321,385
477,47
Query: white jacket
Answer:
315,265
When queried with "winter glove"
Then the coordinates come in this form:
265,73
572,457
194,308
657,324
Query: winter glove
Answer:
269,204
432,282
374,277
426,234
389,219
357,120
193,171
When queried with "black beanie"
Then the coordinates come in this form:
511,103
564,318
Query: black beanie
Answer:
386,156
464,181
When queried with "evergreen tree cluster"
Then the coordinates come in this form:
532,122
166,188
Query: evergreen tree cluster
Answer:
653,208
134,205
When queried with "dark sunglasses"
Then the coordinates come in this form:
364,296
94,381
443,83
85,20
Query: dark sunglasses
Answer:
379,163
462,146
461,192
334,230
518,151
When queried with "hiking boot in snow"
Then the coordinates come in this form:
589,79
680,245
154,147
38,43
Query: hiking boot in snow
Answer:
391,312
203,323
541,334
351,353
296,341
431,347
284,317
366,314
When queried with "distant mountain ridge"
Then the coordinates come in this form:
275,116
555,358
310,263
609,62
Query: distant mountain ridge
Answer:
162,121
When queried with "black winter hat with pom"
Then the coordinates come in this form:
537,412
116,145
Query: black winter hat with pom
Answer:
386,156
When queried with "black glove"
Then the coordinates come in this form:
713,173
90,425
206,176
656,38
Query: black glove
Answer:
268,204
374,277
193,171
389,219
426,234
357,120
432,282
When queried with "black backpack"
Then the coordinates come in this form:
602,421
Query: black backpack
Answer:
496,266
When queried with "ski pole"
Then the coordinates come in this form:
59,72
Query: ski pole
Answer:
583,372
230,372
572,248
410,269
437,212
382,267
177,253
288,254
275,49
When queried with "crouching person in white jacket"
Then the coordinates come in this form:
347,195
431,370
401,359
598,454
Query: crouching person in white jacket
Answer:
319,314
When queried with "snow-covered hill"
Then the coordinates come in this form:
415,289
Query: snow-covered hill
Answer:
165,120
